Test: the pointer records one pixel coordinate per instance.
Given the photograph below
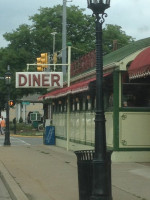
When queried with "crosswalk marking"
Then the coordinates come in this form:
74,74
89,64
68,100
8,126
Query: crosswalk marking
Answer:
14,141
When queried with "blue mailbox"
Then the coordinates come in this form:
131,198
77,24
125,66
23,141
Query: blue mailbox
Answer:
49,135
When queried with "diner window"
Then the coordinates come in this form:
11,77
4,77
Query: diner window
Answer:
136,92
88,103
53,107
80,104
59,106
108,92
77,102
65,105
73,105
93,102
62,105
84,105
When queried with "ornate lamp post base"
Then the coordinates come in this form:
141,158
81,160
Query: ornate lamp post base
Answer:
102,184
7,143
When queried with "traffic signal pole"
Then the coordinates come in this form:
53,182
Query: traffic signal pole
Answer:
68,98
34,64
68,84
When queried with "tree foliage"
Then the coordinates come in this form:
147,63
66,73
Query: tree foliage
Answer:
115,33
27,42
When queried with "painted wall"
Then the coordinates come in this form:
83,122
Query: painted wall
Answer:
134,129
82,127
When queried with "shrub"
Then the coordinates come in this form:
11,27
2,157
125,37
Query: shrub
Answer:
20,120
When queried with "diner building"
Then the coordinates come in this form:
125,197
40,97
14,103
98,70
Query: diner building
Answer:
126,76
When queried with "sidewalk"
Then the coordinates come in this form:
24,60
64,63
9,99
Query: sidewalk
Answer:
4,195
50,173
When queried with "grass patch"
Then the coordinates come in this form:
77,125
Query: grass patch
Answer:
24,130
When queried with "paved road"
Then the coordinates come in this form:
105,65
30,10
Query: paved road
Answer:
21,141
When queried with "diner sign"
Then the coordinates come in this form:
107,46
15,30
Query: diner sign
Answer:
39,79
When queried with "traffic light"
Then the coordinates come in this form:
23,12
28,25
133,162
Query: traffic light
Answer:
44,59
55,58
11,103
39,66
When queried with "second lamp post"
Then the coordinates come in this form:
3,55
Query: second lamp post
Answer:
7,78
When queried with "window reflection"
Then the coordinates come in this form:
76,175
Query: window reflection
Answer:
135,93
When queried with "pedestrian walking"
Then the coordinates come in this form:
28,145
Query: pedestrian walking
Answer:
0,125
3,125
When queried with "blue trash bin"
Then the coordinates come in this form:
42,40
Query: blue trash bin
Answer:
49,136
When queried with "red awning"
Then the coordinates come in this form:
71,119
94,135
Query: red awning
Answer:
75,88
140,67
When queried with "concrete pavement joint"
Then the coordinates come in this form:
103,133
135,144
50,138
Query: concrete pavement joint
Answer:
129,192
13,188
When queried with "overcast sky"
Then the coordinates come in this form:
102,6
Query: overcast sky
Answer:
132,15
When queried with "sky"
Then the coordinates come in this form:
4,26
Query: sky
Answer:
132,15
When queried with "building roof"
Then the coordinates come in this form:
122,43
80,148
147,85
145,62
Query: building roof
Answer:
110,59
123,52
32,98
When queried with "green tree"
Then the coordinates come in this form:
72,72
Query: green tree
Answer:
80,29
27,42
113,33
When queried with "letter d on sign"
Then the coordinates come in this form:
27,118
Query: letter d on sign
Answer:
22,80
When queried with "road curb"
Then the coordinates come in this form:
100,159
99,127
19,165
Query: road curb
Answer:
35,136
13,188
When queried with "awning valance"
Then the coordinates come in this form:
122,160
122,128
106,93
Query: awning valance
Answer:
140,67
74,88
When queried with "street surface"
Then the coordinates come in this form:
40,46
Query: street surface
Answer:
19,141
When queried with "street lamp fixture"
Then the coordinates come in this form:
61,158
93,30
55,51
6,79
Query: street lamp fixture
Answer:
101,184
54,33
7,78
98,6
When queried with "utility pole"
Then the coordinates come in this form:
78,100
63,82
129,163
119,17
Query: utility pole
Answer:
64,38
53,34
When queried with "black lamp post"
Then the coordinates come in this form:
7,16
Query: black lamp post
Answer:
101,185
7,78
